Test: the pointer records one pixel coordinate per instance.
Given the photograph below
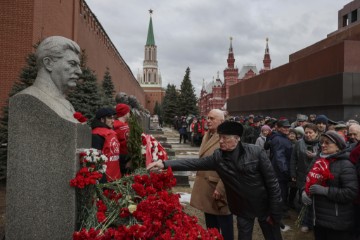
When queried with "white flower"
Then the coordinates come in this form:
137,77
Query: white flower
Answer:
155,143
143,150
104,158
89,159
103,169
132,208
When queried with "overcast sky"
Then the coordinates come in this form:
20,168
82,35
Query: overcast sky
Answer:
195,33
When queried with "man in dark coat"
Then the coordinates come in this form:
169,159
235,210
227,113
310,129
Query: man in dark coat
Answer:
250,182
281,148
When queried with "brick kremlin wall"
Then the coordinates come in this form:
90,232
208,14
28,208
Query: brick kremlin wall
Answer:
25,22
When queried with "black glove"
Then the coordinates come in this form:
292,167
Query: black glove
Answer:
306,199
318,189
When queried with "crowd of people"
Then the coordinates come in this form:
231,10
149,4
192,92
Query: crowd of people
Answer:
300,154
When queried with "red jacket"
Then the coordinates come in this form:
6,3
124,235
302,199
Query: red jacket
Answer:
122,132
111,150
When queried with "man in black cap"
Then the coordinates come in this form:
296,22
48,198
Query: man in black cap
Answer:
250,182
281,149
104,138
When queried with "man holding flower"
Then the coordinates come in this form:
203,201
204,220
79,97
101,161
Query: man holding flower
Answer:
250,183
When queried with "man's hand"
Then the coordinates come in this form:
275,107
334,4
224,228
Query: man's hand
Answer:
155,166
318,189
217,195
306,199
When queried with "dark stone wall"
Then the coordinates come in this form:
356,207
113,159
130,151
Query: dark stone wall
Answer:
337,96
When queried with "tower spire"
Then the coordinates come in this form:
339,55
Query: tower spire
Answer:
150,36
231,59
267,59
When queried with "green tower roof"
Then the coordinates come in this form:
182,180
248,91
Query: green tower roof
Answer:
150,36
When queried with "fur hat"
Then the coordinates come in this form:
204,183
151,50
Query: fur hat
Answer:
335,138
321,119
104,112
230,128
301,118
122,109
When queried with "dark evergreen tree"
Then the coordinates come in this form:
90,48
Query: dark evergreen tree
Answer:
26,79
170,104
86,97
187,99
108,90
157,109
135,142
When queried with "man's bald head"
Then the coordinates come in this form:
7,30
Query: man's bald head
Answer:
354,132
214,119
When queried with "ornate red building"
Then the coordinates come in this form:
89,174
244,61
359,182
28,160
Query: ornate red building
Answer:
215,94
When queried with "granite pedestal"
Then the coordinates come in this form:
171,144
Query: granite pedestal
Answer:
42,159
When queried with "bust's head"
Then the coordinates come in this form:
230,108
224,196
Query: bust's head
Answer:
59,57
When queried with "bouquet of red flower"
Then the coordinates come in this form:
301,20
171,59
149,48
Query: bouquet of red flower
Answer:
81,118
137,206
93,166
318,174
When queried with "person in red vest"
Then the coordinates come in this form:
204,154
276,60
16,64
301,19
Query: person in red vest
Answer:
122,130
104,138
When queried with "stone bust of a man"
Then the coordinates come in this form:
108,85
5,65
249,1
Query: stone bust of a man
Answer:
58,63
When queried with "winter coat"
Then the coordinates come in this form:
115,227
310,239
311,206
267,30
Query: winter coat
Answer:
250,183
336,210
206,182
300,163
110,148
281,148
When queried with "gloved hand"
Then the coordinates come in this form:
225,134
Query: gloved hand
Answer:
318,189
306,199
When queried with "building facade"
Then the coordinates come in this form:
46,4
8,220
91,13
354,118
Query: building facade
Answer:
150,78
215,94
323,78
24,23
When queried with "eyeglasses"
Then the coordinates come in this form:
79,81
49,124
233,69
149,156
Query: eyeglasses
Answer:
351,134
226,137
326,142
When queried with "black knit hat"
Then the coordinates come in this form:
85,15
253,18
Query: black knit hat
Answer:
335,138
105,112
321,119
230,128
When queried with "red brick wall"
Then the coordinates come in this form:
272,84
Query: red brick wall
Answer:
16,19
25,22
